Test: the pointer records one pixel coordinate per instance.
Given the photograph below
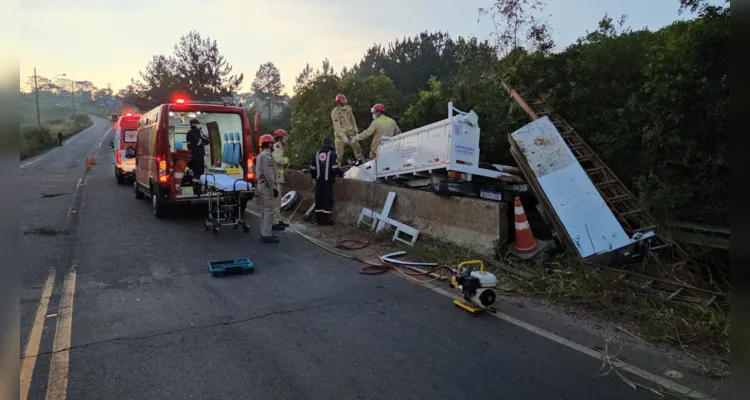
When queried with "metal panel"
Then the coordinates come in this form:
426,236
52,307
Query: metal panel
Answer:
584,214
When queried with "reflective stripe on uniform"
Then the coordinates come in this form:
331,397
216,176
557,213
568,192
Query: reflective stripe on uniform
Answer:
327,166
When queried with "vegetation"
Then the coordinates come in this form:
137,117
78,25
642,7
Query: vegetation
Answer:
196,69
56,112
654,105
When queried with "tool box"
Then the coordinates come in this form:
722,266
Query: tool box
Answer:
227,267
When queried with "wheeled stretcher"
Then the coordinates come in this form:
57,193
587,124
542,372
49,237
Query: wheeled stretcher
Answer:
225,207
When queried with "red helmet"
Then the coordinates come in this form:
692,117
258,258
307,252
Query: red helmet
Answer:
377,108
280,133
266,139
340,99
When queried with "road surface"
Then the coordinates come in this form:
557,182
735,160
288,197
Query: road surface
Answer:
119,305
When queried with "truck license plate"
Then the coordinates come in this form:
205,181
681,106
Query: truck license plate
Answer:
490,195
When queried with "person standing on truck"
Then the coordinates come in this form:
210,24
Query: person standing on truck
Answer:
324,169
345,128
197,145
382,125
279,162
266,189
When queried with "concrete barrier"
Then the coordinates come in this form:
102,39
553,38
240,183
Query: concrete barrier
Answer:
472,223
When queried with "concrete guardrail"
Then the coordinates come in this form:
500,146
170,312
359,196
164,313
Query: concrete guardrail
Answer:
475,224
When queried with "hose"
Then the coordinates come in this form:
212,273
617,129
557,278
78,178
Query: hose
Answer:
372,268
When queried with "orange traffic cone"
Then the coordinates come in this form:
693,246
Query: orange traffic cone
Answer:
525,241
88,165
93,161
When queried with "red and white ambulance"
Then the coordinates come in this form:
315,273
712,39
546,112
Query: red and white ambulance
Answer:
126,134
162,158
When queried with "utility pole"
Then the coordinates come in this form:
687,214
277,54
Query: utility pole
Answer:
36,91
73,96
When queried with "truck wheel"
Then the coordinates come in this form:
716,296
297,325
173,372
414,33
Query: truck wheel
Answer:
136,191
157,204
120,179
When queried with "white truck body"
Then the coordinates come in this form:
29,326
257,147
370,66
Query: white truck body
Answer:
450,145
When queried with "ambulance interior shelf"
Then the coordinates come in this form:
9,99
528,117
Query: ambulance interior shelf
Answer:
224,131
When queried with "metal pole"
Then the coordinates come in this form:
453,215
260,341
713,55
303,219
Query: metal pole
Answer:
36,91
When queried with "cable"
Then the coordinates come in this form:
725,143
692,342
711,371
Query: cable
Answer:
370,268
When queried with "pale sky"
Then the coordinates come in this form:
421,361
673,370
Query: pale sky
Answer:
109,41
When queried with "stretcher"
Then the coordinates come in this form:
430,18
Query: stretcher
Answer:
225,207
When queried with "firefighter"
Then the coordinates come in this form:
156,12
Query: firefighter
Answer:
197,145
324,169
382,125
279,162
266,189
345,128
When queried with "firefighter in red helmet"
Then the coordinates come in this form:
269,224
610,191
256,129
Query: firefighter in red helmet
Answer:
381,126
344,129
266,189
280,161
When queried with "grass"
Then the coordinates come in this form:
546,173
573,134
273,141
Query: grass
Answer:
57,115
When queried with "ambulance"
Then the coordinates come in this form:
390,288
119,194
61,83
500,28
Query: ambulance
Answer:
162,159
126,134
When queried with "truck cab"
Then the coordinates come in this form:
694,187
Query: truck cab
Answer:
125,135
163,161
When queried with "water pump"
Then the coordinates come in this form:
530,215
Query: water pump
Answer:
476,287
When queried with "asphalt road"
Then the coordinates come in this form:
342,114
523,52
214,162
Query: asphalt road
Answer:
134,314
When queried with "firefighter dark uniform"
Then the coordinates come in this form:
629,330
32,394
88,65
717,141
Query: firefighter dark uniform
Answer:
324,169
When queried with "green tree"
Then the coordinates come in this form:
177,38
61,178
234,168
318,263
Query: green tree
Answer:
267,84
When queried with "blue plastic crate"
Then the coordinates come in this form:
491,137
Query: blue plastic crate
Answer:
226,267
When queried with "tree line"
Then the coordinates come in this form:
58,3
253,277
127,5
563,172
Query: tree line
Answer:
653,104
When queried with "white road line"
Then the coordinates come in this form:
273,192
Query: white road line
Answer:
45,155
101,141
75,196
662,382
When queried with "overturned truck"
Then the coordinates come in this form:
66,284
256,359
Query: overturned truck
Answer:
442,156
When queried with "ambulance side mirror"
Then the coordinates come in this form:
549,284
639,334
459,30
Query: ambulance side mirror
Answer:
129,152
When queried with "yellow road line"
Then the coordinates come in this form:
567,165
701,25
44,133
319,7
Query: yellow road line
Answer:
32,346
57,385
10,353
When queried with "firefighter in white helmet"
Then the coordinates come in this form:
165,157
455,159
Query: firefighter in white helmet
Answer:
382,125
266,189
280,161
344,129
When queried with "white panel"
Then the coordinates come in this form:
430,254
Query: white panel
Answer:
581,209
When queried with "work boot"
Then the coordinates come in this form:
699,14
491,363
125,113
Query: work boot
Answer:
269,239
278,227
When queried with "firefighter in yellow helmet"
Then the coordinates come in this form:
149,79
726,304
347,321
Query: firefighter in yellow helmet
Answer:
344,129
266,188
381,125
279,163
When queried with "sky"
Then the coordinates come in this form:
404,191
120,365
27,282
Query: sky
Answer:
109,41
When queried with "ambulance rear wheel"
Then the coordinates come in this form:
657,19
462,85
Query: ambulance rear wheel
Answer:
157,205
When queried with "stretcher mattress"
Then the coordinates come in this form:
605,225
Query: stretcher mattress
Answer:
224,183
